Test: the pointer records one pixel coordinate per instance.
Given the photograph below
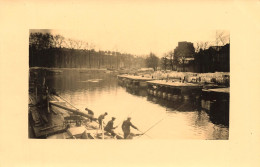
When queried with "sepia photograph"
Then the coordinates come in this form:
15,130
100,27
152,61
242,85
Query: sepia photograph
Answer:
125,83
113,88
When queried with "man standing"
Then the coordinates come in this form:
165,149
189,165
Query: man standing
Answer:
100,120
110,126
126,127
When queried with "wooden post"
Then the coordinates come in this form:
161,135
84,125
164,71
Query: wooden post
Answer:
102,130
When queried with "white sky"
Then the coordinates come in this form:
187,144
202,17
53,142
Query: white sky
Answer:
141,28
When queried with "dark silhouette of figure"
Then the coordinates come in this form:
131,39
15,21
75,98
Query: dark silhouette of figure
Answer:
126,127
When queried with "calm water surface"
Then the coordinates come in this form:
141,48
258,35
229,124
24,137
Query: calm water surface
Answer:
100,92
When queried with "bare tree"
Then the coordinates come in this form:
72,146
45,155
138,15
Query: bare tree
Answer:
152,61
171,55
164,62
70,43
201,45
84,45
222,38
78,44
58,41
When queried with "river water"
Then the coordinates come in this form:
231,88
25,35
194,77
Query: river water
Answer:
160,119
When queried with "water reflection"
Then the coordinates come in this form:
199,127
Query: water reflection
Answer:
178,105
76,81
216,107
99,91
137,92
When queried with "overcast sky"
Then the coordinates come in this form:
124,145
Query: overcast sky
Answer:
141,29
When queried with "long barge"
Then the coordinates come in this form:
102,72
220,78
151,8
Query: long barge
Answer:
173,90
132,81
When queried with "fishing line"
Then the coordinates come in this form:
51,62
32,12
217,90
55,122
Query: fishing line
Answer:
159,121
66,101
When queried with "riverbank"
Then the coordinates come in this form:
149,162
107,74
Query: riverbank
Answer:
220,78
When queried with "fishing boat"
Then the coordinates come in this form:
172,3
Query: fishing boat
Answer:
66,122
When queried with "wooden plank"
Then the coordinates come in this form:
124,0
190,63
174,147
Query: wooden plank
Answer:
43,116
217,90
48,132
35,115
72,110
51,127
59,111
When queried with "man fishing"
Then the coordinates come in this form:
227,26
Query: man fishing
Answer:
110,127
126,127
100,119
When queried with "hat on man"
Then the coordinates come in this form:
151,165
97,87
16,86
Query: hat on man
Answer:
113,118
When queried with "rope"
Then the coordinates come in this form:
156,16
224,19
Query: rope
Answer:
67,101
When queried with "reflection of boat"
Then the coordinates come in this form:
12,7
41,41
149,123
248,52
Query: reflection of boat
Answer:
176,104
216,103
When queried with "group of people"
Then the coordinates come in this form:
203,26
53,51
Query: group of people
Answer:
110,125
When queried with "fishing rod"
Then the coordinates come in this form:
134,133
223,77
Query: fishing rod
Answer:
152,126
144,134
137,129
159,121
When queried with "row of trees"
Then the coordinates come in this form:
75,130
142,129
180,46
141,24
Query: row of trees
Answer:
47,50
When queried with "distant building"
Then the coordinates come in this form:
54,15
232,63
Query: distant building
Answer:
185,65
213,59
184,53
184,49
